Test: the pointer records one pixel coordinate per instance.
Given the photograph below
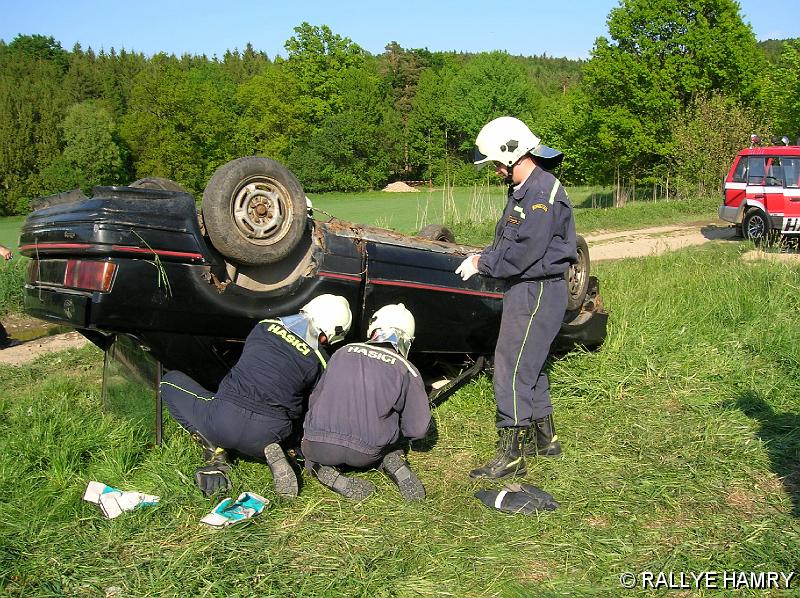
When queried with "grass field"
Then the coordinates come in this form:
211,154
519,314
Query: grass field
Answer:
681,450
409,212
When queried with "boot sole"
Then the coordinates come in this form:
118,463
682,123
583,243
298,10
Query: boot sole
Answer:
401,474
283,476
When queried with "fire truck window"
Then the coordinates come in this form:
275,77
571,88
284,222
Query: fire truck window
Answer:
740,174
791,170
774,176
755,171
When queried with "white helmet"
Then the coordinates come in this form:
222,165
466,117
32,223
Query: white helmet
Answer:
507,139
331,315
392,324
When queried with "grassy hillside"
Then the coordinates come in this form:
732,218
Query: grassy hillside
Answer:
681,449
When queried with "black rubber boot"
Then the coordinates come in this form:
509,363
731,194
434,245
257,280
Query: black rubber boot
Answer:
213,476
351,488
510,458
283,476
212,454
396,468
543,441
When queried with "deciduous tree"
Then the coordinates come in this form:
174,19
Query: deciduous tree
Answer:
660,56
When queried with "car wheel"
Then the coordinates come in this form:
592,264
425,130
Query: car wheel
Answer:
755,226
437,232
578,276
157,182
254,210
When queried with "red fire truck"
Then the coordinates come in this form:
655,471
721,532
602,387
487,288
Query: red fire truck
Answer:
762,192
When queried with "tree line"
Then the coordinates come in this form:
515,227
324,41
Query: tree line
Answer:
666,99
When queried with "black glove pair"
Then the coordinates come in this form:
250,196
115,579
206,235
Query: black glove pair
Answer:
213,478
518,498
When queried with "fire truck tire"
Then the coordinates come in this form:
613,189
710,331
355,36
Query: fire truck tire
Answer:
756,227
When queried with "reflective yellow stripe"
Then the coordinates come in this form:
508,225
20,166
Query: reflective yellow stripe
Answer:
188,392
521,349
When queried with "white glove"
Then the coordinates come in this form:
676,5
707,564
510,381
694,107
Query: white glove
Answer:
469,267
114,502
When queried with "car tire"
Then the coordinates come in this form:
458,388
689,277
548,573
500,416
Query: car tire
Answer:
437,232
157,182
254,210
755,227
578,276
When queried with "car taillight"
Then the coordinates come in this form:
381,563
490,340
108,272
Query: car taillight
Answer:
85,275
89,276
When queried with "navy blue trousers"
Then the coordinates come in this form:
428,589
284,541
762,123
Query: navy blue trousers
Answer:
326,453
532,316
221,422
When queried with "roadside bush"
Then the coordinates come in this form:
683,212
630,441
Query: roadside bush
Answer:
707,136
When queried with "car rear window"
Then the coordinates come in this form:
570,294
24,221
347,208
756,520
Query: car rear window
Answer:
740,174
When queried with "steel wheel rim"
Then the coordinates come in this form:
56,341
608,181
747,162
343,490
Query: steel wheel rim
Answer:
576,276
262,211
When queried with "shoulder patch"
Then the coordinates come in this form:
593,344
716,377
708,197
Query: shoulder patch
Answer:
539,206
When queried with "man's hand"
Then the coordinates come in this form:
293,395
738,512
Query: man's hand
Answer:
213,478
5,252
468,268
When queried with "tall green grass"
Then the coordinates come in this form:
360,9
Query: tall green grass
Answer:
681,444
12,280
12,274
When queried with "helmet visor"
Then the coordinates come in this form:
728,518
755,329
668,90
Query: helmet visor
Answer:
479,158
542,151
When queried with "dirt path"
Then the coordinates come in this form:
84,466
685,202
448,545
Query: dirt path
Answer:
655,240
28,351
602,246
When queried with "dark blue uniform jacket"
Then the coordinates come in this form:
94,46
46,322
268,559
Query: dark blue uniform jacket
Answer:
275,373
367,397
535,237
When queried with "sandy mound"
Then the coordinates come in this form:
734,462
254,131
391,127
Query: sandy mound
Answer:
400,187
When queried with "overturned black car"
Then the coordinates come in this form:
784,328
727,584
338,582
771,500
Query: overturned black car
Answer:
140,261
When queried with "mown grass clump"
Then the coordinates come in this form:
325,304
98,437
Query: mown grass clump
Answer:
681,452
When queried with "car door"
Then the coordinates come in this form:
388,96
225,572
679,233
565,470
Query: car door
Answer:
791,194
452,316
773,189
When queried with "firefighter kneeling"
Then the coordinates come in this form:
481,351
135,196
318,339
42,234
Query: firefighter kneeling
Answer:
368,397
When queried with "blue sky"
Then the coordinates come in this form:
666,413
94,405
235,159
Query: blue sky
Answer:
566,28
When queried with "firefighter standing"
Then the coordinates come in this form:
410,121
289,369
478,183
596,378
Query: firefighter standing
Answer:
369,396
261,399
534,245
